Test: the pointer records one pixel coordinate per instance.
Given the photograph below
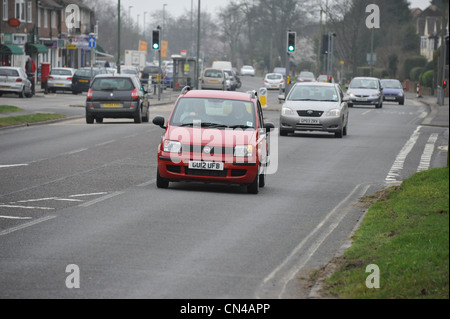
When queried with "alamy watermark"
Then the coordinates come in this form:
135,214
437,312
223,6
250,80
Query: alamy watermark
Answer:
373,19
373,280
73,17
73,279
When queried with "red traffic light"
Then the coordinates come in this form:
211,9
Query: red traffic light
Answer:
444,84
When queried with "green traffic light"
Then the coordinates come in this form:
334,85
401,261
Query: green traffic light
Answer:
155,46
291,48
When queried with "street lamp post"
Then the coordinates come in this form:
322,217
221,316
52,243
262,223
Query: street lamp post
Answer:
118,37
197,73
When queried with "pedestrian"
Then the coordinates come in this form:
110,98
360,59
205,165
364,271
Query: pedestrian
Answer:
28,66
30,69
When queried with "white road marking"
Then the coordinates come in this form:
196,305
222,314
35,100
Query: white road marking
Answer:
101,199
366,112
290,274
27,207
13,165
399,162
75,152
15,217
29,224
425,160
91,194
147,183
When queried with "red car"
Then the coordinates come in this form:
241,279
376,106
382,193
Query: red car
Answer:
214,137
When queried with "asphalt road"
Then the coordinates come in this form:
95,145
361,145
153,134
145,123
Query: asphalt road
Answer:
85,195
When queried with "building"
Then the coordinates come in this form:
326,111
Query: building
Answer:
429,26
54,31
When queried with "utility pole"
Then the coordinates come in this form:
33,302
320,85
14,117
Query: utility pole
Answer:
118,37
197,76
442,60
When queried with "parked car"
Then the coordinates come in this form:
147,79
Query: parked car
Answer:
306,76
315,107
152,71
237,155
14,80
213,79
324,78
365,91
60,79
81,79
274,81
116,96
393,91
247,70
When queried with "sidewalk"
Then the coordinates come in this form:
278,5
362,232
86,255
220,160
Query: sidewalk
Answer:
439,114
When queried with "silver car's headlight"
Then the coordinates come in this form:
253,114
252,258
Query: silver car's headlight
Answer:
243,151
400,94
172,146
351,95
287,111
334,112
375,95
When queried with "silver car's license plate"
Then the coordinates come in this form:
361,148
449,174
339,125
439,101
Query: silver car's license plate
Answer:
309,121
214,166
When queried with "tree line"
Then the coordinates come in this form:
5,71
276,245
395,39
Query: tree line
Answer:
254,32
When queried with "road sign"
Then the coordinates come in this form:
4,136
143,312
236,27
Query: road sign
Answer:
263,97
91,42
71,46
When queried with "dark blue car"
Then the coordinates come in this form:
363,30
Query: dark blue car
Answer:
393,91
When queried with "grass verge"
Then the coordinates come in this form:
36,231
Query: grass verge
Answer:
9,108
406,234
33,118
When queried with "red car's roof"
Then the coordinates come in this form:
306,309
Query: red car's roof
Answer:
210,94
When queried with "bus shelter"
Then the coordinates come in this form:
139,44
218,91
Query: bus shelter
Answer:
183,72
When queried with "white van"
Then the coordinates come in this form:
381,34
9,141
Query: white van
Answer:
222,65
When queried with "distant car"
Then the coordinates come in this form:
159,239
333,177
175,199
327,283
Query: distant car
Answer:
60,79
152,71
274,81
314,106
365,91
324,78
306,77
81,80
168,78
213,79
14,80
116,96
393,91
239,152
247,70
232,79
280,70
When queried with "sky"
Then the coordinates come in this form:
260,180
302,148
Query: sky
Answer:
180,7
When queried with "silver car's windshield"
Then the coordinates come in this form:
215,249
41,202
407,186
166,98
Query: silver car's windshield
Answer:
364,84
313,93
214,113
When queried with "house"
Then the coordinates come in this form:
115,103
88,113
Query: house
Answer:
429,26
54,31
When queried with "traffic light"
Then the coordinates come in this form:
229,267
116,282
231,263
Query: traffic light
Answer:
155,40
444,84
291,41
325,39
330,79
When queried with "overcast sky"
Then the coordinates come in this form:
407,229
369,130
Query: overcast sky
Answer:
180,7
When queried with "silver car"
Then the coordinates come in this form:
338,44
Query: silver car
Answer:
274,81
365,91
60,79
315,106
14,80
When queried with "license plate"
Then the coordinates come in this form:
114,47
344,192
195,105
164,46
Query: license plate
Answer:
390,97
59,84
5,87
83,81
212,81
309,121
361,99
274,86
213,166
112,105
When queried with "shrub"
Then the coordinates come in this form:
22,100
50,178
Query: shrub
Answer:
413,62
415,73
426,79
